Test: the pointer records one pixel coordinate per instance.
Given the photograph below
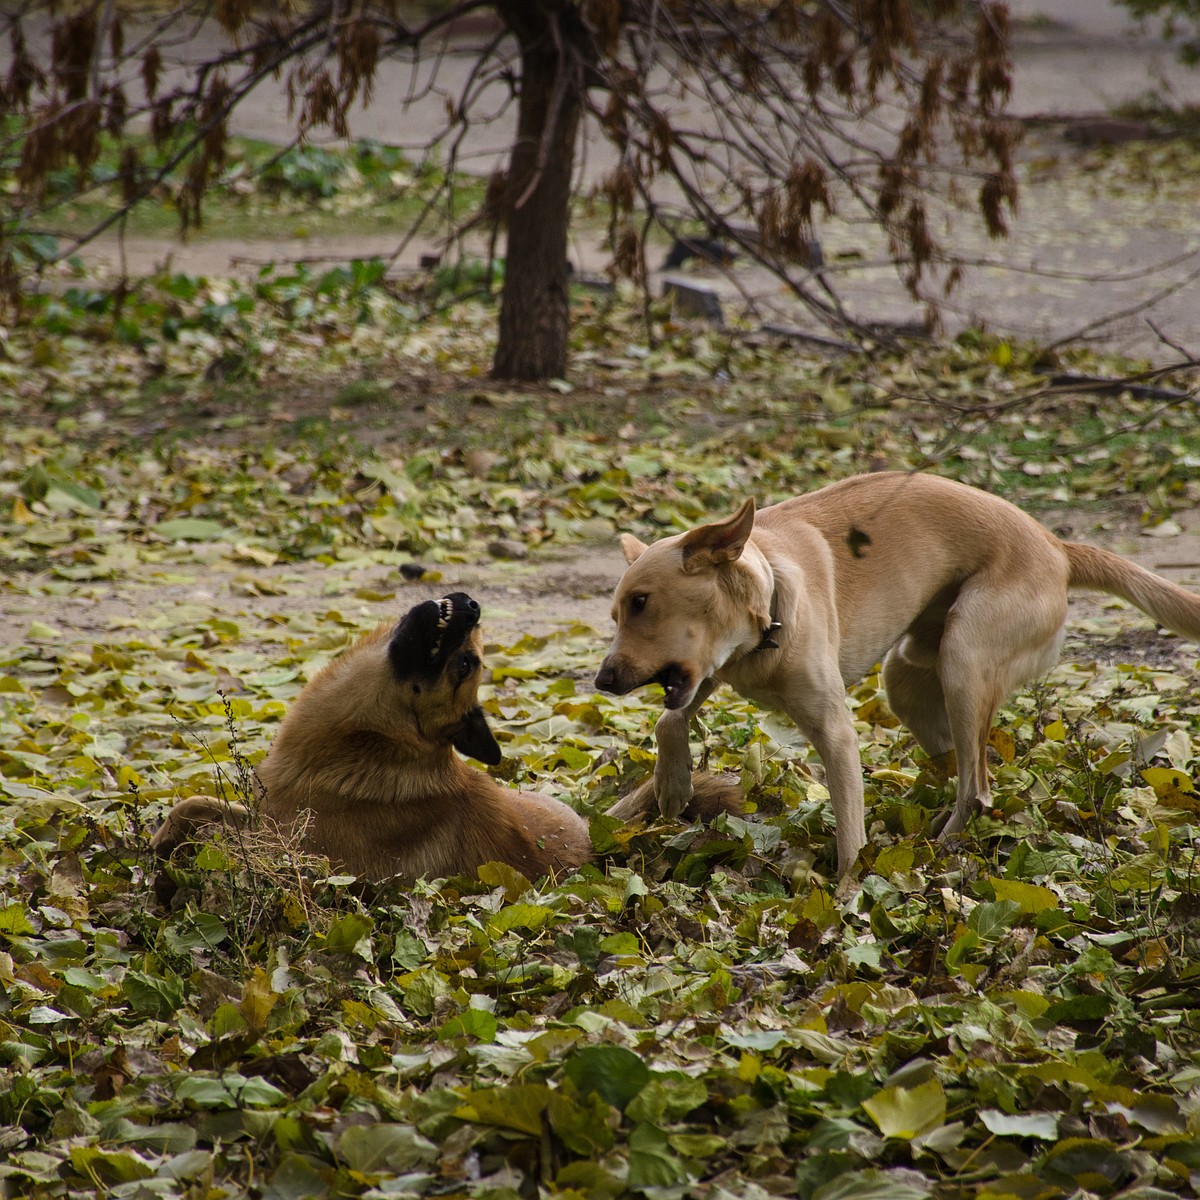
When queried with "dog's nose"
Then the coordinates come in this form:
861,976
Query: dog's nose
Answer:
472,607
606,679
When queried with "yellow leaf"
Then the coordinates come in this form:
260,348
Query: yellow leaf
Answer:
127,777
901,779
1003,743
293,912
907,1112
498,874
258,998
1167,780
894,858
1056,731
21,513
749,1068
1032,897
1173,788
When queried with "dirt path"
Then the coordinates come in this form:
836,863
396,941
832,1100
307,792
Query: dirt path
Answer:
550,593
534,597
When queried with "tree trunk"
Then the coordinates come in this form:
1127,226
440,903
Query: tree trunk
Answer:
534,311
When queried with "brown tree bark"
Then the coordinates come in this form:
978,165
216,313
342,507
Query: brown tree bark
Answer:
534,306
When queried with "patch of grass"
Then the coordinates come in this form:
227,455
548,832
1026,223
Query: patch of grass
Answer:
361,392
266,193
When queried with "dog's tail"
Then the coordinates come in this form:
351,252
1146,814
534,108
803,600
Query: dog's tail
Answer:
711,796
1168,603
190,815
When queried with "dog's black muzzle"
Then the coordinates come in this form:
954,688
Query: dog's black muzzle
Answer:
607,680
430,632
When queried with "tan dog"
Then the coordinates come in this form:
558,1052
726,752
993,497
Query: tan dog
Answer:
364,765
961,595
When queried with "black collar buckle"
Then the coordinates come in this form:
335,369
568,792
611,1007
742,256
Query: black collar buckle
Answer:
768,642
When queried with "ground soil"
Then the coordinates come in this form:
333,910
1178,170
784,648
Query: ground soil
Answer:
556,591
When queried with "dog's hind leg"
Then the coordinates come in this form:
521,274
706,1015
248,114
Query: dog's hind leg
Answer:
910,675
188,817
915,695
996,638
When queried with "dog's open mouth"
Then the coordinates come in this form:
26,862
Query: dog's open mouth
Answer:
430,632
676,683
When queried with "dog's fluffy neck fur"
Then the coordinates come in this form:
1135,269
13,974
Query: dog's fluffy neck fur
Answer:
753,584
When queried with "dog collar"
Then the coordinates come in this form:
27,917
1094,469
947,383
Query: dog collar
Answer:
767,641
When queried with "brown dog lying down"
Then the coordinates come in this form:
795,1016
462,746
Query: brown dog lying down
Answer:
364,766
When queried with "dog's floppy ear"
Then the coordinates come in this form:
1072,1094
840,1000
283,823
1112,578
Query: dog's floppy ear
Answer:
720,542
474,739
631,548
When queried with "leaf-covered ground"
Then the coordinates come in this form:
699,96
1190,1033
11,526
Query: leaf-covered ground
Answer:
208,487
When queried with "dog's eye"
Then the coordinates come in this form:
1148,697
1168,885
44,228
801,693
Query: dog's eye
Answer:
637,602
466,664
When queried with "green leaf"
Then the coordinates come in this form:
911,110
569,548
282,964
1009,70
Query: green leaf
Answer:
992,919
192,529
350,934
195,931
697,1145
109,1167
873,1185
372,1149
756,1039
409,951
1086,1159
613,1072
14,920
651,1161
167,1138
472,1022
228,1091
518,1107
1078,1008
1032,1125
667,1097
521,916
89,981
1032,897
296,1178
964,945
907,1112
227,1019
154,995
621,944
65,495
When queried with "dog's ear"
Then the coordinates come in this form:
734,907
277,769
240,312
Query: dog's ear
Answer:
474,739
631,548
720,542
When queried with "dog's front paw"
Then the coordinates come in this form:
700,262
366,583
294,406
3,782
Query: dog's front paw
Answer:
672,792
